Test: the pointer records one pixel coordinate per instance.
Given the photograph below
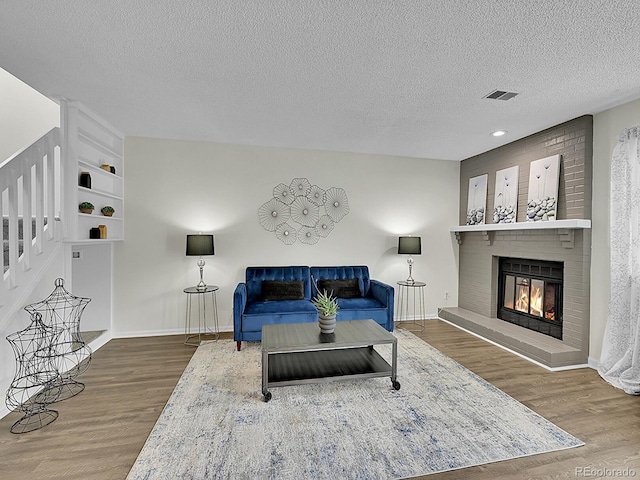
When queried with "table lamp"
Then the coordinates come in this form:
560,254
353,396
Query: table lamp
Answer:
199,245
409,246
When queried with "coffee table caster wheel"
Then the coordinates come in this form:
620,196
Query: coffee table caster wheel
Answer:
396,384
267,396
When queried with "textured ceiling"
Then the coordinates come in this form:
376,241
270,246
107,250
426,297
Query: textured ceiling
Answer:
391,77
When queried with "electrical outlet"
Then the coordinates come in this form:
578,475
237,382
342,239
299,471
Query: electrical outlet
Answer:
76,255
446,295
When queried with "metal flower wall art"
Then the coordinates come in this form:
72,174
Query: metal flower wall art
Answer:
301,212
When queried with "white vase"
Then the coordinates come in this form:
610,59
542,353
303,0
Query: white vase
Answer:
327,323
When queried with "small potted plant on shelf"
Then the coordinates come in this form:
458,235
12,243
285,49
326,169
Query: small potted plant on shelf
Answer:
327,306
86,207
107,210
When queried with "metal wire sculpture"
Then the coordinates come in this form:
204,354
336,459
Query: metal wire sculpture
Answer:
286,234
273,213
336,203
284,194
69,353
303,212
34,373
324,226
308,235
300,186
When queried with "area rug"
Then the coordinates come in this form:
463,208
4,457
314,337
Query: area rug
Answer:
444,417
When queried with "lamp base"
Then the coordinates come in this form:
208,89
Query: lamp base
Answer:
201,285
410,279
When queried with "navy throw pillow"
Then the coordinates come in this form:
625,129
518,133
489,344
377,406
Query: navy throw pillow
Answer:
347,288
282,290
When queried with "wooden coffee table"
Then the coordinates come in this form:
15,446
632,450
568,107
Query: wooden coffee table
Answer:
297,353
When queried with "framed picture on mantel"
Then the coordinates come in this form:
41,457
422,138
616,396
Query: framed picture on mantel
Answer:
477,200
505,205
542,198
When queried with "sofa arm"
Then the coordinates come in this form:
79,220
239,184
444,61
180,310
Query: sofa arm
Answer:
239,304
384,294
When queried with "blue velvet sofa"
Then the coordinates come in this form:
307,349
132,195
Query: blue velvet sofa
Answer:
277,295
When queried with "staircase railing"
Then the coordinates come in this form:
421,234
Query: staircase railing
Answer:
30,197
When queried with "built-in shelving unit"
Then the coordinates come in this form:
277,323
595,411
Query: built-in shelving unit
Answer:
90,143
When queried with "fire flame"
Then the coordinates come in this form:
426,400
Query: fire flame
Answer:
522,300
536,302
533,303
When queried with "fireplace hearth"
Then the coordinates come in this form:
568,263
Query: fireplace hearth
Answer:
530,294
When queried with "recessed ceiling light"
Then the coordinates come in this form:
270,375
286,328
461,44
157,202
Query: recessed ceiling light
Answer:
499,133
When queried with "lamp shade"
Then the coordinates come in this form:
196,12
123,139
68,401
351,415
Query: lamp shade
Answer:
200,244
409,246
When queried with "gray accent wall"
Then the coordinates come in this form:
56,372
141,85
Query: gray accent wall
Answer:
573,140
479,251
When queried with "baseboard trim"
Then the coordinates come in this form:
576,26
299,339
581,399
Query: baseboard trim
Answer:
415,318
160,333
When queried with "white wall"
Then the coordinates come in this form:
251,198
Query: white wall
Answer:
25,115
175,187
606,127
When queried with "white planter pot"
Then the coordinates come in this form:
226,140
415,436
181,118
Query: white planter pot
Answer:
327,324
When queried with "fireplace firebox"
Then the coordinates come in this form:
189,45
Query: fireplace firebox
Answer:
530,294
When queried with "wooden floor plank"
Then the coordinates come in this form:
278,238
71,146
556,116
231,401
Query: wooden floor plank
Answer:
100,432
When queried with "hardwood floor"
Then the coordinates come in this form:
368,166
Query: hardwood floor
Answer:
100,432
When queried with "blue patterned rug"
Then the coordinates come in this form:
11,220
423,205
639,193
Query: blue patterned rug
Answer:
215,425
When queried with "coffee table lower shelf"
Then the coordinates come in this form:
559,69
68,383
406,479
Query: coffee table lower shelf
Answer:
296,368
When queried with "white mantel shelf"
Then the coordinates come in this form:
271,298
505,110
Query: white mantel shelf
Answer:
572,224
565,228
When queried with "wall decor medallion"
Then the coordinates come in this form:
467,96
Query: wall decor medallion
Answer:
542,199
302,212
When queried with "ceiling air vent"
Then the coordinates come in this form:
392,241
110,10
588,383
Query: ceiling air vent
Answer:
500,95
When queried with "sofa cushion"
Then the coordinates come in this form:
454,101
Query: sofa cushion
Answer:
362,308
347,288
282,290
256,275
360,272
282,306
258,314
359,304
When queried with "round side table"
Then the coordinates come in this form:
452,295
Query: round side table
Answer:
411,301
202,294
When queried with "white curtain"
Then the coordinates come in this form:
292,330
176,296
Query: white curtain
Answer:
620,359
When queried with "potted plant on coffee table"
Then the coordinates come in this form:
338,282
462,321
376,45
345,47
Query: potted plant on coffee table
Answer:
327,306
